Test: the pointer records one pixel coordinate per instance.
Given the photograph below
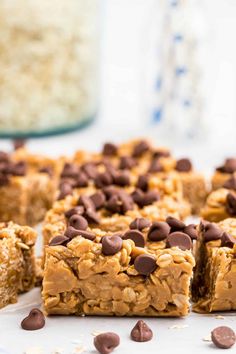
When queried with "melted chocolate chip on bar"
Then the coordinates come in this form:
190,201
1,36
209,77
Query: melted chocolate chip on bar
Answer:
139,224
231,204
175,224
191,230
59,240
179,239
35,320
155,166
103,179
211,232
144,199
141,332
157,154
228,167
230,183
136,236
183,165
122,178
109,149
90,170
71,232
105,343
227,240
65,189
70,170
78,222
145,264
111,245
76,210
142,183
98,199
81,180
120,203
89,209
140,148
159,231
127,162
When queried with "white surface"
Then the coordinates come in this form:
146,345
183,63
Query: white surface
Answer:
69,333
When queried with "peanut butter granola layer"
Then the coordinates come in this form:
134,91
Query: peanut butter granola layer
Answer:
17,262
112,208
144,270
214,284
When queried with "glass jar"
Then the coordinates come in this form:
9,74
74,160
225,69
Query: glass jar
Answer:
48,65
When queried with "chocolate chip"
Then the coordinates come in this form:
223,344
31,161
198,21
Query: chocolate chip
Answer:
211,232
228,167
191,230
110,191
92,216
59,240
136,236
109,149
139,224
103,179
71,232
149,198
223,337
4,156
140,148
81,180
65,189
70,170
179,239
122,178
175,224
47,169
142,183
105,343
160,153
227,240
86,202
98,199
231,204
19,143
159,230
78,222
18,168
35,320
155,166
119,203
4,180
111,245
127,202
76,210
137,196
141,332
127,162
230,183
145,264
183,165
90,170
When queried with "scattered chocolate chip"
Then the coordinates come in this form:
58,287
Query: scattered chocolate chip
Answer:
139,224
141,332
81,180
98,199
228,167
145,264
119,203
122,178
65,189
136,236
70,170
18,168
92,216
160,153
223,337
231,203
4,156
59,240
105,343
103,179
127,162
109,149
78,222
227,240
140,148
191,230
149,198
155,166
179,239
86,202
127,202
18,143
4,180
142,183
158,231
183,165
76,210
109,191
47,169
90,170
71,232
211,232
230,183
111,245
137,196
175,224
35,320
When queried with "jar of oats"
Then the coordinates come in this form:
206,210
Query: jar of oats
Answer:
48,65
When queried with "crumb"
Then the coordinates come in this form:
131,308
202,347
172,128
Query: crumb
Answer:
78,350
219,317
33,350
178,327
207,339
